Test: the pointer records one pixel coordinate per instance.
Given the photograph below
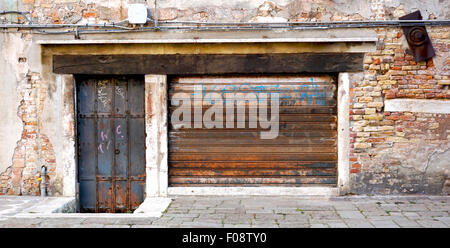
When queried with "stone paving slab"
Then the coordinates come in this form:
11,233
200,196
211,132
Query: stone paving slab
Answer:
384,224
358,223
431,223
350,214
253,212
407,223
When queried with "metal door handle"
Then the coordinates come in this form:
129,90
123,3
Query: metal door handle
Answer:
117,151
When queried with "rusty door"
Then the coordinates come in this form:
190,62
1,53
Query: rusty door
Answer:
303,154
111,143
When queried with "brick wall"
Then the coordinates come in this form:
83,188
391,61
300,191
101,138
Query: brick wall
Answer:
396,152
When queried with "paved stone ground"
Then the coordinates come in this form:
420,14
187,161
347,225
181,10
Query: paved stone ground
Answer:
274,211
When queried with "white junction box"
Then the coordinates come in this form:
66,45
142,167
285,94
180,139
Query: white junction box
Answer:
137,13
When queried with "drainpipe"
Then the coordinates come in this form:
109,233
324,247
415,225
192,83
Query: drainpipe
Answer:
156,15
43,181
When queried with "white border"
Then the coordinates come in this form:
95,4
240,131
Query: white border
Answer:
417,106
297,191
342,163
243,40
343,130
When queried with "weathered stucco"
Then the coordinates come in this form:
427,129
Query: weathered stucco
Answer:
70,11
10,126
420,168
28,138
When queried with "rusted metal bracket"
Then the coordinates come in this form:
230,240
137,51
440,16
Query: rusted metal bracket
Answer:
417,37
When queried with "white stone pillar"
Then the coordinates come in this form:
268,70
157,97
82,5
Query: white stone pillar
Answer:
69,135
343,133
156,130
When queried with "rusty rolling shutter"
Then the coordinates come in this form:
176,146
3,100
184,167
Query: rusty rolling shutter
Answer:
303,154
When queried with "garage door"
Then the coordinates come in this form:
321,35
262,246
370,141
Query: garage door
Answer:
303,153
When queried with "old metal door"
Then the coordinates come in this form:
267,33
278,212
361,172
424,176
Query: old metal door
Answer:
111,143
303,154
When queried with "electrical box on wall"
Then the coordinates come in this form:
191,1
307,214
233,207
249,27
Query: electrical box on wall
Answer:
137,13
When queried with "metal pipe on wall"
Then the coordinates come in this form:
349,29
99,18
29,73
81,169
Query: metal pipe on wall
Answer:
24,14
198,26
43,181
156,15
344,24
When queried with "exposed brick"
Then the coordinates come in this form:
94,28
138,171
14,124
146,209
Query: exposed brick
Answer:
362,145
356,166
365,99
397,139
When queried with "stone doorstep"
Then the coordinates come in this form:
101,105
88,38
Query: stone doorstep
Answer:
153,206
57,207
12,205
48,206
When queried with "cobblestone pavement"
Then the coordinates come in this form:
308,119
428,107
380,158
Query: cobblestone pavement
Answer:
274,211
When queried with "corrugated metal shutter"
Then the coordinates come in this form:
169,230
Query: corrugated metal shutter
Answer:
303,154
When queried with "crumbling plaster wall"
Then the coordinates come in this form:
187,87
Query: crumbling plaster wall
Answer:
29,129
11,125
84,11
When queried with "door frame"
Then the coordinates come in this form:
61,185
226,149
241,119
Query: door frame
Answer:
343,164
75,79
208,43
